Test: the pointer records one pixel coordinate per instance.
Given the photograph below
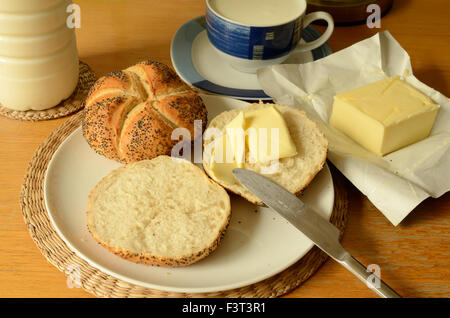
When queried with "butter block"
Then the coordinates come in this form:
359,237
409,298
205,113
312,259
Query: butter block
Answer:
384,116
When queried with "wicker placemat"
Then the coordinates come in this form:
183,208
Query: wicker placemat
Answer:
68,106
104,285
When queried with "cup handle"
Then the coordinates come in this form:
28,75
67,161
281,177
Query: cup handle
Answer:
319,15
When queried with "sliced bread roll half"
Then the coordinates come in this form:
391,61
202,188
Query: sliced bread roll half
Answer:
294,173
162,211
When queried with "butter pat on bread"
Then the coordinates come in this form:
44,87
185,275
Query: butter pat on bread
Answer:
305,157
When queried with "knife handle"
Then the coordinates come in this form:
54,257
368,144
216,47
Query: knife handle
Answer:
366,276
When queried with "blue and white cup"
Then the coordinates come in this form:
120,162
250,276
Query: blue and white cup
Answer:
248,47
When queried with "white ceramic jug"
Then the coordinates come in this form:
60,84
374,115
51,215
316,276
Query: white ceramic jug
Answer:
38,54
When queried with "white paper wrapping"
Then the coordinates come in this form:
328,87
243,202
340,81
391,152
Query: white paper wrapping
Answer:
395,183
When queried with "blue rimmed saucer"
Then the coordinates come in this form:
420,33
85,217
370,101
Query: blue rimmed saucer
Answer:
198,63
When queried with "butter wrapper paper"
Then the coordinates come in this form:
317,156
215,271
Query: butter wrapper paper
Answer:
395,183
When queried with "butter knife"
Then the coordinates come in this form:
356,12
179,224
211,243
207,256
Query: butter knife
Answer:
321,232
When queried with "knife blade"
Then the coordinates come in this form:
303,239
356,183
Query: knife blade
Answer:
319,230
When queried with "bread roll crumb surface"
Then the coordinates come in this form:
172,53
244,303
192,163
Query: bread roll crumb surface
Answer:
162,211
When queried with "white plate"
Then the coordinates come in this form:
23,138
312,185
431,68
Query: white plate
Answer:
258,244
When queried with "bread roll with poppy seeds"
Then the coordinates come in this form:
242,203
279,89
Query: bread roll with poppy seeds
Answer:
146,212
130,114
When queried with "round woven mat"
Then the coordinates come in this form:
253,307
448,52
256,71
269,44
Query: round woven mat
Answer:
104,285
68,106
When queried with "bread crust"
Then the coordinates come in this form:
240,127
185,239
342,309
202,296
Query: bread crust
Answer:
112,127
102,134
145,135
183,109
150,259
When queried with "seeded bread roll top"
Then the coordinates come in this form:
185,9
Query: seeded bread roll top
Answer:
130,115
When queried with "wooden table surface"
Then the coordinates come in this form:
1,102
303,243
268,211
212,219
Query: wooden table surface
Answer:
414,257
